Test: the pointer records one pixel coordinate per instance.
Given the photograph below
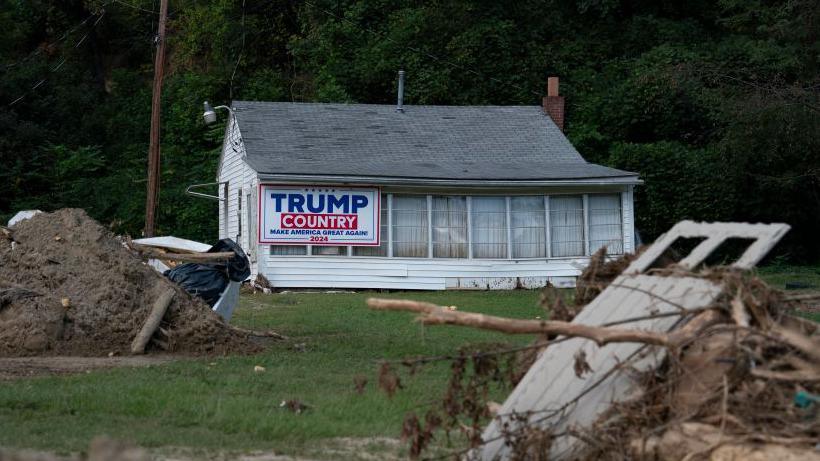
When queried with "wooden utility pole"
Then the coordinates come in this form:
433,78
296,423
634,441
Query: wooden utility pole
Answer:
153,147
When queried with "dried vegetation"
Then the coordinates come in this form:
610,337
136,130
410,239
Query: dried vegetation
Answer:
741,379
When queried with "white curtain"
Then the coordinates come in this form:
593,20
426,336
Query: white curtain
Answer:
567,225
410,226
288,250
605,225
489,227
332,250
449,227
527,222
380,250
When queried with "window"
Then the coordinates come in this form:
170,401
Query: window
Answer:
527,222
251,228
380,250
288,250
605,226
567,225
238,216
489,227
449,227
329,250
410,226
495,227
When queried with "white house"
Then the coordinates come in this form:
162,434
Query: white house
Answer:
470,196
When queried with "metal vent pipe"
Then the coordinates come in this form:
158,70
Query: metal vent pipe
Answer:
400,101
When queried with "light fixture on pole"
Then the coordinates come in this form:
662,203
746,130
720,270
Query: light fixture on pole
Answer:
209,115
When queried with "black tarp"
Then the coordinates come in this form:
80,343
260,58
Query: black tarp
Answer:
208,281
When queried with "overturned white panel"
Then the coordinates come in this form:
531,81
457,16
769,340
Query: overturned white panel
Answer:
551,396
552,391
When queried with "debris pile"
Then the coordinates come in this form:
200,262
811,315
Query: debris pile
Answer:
69,286
666,361
598,274
746,385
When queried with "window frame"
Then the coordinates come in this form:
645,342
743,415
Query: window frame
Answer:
470,241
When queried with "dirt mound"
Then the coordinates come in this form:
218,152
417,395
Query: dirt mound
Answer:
69,286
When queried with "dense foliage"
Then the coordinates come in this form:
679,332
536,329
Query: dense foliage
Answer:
715,103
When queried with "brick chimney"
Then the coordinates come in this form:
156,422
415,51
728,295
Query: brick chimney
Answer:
554,104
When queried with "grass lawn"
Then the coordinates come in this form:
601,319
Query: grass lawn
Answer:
778,276
807,278
221,405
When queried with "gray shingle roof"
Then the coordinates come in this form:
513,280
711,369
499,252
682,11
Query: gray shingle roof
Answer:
426,142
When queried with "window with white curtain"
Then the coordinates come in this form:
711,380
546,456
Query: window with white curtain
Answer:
288,250
410,226
527,221
449,227
605,225
567,225
380,250
329,250
489,227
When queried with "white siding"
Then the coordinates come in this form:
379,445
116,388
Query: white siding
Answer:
242,180
416,273
385,272
628,216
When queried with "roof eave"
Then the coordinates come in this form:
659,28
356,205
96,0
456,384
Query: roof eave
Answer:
404,181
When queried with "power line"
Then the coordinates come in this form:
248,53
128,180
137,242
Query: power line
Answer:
62,61
131,5
62,38
420,51
146,10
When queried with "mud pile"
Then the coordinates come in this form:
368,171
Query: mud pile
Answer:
69,286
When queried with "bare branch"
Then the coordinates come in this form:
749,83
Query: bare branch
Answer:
148,253
791,375
809,346
432,314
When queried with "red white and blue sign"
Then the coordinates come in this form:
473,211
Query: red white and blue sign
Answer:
318,215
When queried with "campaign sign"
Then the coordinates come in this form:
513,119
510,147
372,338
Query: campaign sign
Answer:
318,215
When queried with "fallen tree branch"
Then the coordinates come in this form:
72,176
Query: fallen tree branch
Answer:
150,253
695,327
432,314
801,342
152,322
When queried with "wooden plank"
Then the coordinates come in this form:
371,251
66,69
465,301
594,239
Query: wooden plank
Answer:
152,321
149,253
